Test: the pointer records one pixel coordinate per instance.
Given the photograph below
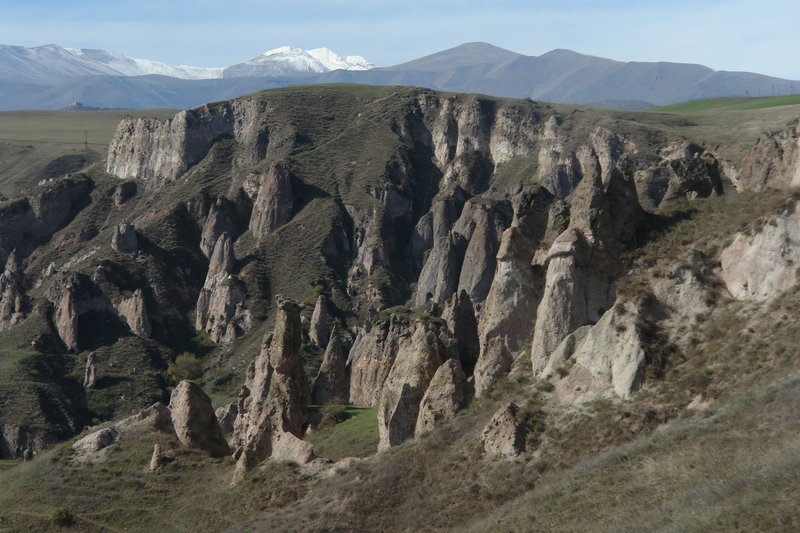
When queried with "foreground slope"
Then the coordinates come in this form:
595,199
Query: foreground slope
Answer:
601,270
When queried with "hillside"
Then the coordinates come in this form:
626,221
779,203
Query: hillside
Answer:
544,317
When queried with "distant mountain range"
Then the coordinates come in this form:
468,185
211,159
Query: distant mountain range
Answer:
52,77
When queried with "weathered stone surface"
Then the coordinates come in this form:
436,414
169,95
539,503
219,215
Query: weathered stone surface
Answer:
331,385
444,397
124,192
272,404
774,161
13,301
503,435
274,203
156,417
94,442
90,374
221,307
318,329
218,221
762,264
686,171
371,359
125,238
73,295
459,314
156,458
418,358
439,276
608,356
194,420
134,310
509,312
226,417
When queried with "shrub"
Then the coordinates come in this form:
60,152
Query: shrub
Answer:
61,517
186,366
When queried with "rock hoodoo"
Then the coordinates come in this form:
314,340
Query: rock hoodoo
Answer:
194,420
318,329
273,205
331,385
444,397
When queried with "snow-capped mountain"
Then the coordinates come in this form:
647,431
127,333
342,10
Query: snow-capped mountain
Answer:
131,66
287,60
53,64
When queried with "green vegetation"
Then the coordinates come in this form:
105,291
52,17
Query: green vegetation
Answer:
357,436
186,366
729,104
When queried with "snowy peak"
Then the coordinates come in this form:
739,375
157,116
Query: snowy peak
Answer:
131,66
287,60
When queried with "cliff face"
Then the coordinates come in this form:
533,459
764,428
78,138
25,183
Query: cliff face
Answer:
506,225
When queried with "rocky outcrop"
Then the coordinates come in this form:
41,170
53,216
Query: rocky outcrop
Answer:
218,221
459,314
18,441
331,385
686,171
133,310
27,221
157,417
318,329
73,295
582,262
125,238
444,397
607,356
371,359
156,459
272,403
274,202
90,373
226,417
221,307
762,263
94,442
194,420
774,161
14,306
504,436
418,358
124,192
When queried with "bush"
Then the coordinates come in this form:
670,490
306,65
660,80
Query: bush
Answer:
61,517
186,366
334,414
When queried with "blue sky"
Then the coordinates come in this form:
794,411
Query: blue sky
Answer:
723,34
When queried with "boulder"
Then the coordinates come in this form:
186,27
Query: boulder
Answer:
444,397
125,238
503,436
94,442
194,420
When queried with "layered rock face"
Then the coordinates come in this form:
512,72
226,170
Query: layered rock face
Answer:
761,264
272,403
418,358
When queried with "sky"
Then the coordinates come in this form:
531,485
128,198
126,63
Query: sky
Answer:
755,36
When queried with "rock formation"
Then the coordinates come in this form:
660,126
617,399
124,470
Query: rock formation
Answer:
13,301
444,397
372,357
503,435
194,420
134,311
418,358
90,374
459,315
273,205
272,403
761,264
125,238
226,417
331,385
156,459
218,221
607,356
774,161
221,305
318,330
